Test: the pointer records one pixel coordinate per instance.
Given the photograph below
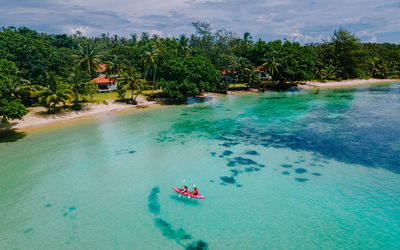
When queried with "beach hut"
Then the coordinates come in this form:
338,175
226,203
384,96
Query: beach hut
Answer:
103,83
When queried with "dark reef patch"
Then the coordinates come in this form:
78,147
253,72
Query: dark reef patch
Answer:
235,172
72,208
197,245
28,230
212,181
300,170
226,153
48,205
244,161
229,144
165,228
286,165
239,185
301,179
154,205
251,152
213,154
227,179
251,169
316,174
285,173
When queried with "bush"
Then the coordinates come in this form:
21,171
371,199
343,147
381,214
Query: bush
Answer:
179,90
77,106
105,102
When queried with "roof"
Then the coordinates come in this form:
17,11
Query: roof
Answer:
101,68
260,68
102,80
224,73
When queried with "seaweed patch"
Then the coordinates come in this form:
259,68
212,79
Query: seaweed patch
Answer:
226,153
154,206
251,169
227,179
301,179
300,170
251,152
199,245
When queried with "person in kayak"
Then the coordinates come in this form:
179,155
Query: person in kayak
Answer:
195,191
185,190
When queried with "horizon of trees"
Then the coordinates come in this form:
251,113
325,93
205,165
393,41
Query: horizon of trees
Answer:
49,69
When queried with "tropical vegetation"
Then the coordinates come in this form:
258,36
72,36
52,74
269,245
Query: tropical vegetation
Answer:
49,69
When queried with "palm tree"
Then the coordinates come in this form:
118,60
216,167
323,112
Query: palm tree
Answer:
114,68
271,67
148,58
26,92
79,87
183,43
131,80
158,50
53,95
87,57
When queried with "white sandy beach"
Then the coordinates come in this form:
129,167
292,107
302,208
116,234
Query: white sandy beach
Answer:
347,83
38,116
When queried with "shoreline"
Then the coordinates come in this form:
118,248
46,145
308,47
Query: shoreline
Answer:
38,118
346,83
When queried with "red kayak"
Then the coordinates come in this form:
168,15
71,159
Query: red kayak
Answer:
180,191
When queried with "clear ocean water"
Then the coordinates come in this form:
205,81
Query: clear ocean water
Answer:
281,170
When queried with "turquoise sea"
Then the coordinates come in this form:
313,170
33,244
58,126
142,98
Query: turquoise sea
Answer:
300,169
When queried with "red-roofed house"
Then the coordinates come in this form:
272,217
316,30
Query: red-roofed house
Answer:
230,77
103,84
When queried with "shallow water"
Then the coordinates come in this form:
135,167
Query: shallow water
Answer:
296,169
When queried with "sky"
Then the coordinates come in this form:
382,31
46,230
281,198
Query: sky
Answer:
304,21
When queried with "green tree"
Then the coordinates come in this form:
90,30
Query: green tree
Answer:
54,94
80,86
348,54
131,80
32,53
271,67
88,58
10,106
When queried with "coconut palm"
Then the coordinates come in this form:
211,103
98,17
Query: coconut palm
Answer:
88,59
183,43
158,50
114,68
79,86
271,67
131,80
53,94
148,58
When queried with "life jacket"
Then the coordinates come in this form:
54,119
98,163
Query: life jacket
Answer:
195,192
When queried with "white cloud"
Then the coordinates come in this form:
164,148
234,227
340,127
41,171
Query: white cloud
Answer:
307,20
